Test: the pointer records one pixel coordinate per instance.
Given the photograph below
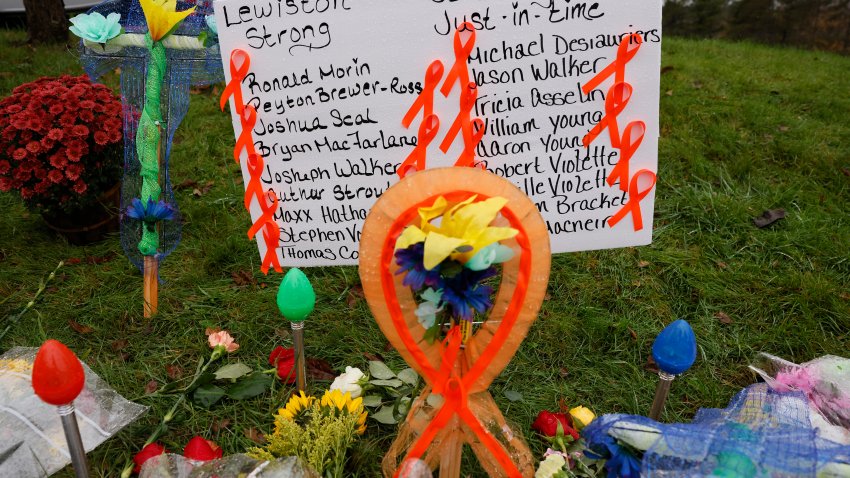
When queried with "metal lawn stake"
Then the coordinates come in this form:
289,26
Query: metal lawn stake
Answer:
58,378
296,300
674,351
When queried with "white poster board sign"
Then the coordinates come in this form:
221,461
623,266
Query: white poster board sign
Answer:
332,79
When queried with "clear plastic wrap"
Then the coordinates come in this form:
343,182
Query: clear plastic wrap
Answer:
177,466
32,441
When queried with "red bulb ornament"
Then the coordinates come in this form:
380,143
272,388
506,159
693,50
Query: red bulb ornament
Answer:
57,375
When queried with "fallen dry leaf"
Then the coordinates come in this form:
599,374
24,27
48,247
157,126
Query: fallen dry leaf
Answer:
669,93
563,372
151,387
373,357
243,278
697,85
120,344
643,264
650,365
769,217
283,333
174,372
633,334
723,317
845,171
212,330
80,328
319,369
203,189
255,435
667,69
784,129
189,183
722,265
218,425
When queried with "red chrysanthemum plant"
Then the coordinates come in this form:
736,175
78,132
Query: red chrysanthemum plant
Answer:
60,143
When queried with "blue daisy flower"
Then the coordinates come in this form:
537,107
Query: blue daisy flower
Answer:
151,213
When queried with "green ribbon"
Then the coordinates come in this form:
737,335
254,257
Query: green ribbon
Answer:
148,139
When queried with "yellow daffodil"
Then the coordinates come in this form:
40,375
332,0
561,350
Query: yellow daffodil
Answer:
462,232
162,17
296,405
582,416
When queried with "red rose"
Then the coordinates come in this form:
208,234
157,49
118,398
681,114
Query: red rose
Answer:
199,449
148,452
547,423
284,360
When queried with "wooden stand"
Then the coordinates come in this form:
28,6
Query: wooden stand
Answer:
151,286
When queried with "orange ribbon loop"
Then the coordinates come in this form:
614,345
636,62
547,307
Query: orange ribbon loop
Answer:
635,197
248,118
632,138
617,100
467,158
625,53
254,188
416,159
463,48
240,63
425,101
271,234
268,209
463,118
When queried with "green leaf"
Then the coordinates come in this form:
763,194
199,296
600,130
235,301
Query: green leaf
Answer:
250,386
409,376
385,415
387,383
206,395
513,395
380,370
232,371
204,379
371,401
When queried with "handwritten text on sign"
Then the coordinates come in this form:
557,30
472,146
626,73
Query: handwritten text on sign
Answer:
331,81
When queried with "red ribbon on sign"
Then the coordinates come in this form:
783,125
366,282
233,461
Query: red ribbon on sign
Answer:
248,118
635,197
463,48
240,63
618,97
625,53
416,159
425,101
629,144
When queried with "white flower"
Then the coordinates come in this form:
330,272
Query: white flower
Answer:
550,466
426,312
349,382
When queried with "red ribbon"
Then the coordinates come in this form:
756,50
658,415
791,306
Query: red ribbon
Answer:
625,53
460,70
635,197
425,100
416,159
629,144
445,379
618,97
248,118
240,63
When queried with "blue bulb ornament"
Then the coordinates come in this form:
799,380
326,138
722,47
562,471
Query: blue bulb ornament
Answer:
675,348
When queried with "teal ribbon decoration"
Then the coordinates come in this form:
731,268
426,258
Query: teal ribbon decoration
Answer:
148,137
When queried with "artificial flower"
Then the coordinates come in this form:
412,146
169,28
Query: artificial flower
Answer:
95,27
149,451
619,461
211,24
493,254
284,360
551,466
410,264
582,416
162,17
553,425
462,232
463,293
427,310
223,341
296,406
349,382
151,213
199,449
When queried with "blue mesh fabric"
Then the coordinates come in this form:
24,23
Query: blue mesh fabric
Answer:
186,68
761,434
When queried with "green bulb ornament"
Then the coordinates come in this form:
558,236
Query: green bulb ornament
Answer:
296,299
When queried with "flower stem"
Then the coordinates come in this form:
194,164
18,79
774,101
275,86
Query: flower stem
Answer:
42,286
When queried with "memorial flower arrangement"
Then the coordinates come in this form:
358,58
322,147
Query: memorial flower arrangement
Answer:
447,259
318,430
569,455
60,143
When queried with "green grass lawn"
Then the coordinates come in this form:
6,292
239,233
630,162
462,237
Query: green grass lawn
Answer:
745,128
